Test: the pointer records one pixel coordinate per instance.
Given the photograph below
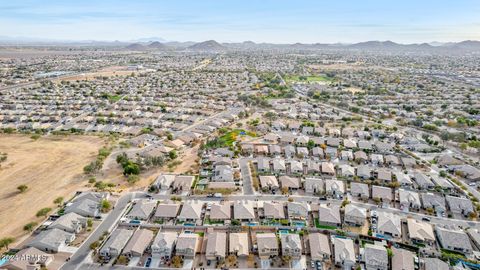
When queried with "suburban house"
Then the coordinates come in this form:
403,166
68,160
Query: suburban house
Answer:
267,245
420,232
268,182
290,183
279,166
238,244
183,183
319,246
52,241
454,240
422,180
166,211
164,181
335,188
142,210
216,246
37,260
187,245
71,223
223,173
243,210
273,210
360,190
313,185
364,172
434,201
191,211
344,252
402,259
84,207
163,245
328,168
409,199
329,215
291,245
115,243
384,194
355,215
298,210
459,205
389,224
220,211
138,243
375,257
435,264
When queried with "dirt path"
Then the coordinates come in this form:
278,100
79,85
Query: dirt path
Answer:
51,167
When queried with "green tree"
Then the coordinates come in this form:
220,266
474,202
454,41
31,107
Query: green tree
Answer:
43,212
131,168
122,158
105,205
30,226
172,154
5,242
100,185
58,200
271,116
310,144
132,179
94,245
22,188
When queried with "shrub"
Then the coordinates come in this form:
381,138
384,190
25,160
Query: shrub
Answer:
43,212
30,226
22,188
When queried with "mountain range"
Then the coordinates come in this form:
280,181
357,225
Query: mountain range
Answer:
157,43
381,46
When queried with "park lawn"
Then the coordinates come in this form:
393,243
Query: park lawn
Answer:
312,78
227,139
114,98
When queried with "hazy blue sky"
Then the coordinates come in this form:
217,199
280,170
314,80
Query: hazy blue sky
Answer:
260,20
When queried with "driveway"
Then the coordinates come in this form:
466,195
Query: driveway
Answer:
246,177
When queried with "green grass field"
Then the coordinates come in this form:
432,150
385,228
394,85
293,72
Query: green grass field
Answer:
313,78
228,138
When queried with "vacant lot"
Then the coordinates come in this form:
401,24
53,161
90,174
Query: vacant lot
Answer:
50,166
104,72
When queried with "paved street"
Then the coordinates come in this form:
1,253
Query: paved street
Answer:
107,224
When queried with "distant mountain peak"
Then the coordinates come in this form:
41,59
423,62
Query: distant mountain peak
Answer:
209,45
157,45
136,47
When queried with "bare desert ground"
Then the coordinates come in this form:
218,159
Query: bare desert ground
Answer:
50,166
104,72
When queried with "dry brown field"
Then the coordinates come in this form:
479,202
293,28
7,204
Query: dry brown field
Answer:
51,166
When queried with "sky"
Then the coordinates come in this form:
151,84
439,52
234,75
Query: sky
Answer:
276,21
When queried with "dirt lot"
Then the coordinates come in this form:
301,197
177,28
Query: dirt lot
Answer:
51,167
105,72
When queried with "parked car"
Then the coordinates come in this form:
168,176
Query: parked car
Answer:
148,262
